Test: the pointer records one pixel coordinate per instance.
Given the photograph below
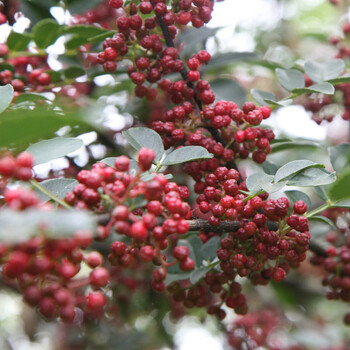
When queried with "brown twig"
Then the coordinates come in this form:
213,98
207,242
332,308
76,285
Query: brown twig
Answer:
224,226
214,133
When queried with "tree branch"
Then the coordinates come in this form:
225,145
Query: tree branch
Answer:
214,133
225,226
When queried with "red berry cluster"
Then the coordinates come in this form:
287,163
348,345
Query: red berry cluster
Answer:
336,263
148,227
44,270
236,129
138,30
316,103
23,76
100,14
19,168
249,251
262,330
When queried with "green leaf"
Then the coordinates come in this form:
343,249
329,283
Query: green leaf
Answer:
284,146
58,187
196,244
321,191
73,72
341,80
110,161
6,65
17,41
140,137
314,71
312,177
323,88
200,273
84,31
6,96
209,249
261,96
74,42
101,37
188,244
193,38
37,10
252,182
295,196
323,219
20,226
30,97
294,167
55,75
266,183
290,79
269,167
340,156
186,154
47,150
173,277
344,203
341,188
333,69
136,202
319,72
35,125
46,32
229,90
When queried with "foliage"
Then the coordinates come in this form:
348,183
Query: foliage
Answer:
177,194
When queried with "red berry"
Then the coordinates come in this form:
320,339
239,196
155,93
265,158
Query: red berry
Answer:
96,301
300,207
116,3
138,231
187,265
99,277
94,259
279,274
146,253
146,157
181,252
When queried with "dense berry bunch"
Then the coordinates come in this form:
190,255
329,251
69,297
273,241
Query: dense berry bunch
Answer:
336,263
151,59
161,214
250,251
142,215
238,136
44,270
19,168
26,74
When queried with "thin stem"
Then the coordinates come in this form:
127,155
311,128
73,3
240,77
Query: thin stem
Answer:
246,199
317,210
42,189
158,167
